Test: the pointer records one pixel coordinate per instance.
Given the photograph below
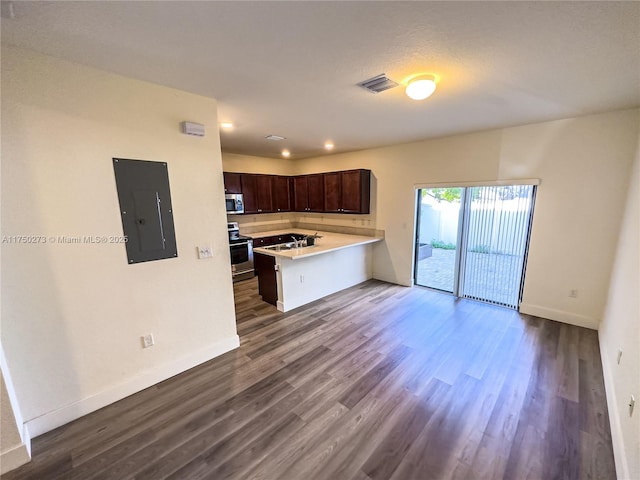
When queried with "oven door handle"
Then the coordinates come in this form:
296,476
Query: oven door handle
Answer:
239,244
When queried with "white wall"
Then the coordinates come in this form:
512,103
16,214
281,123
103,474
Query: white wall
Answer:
583,164
72,315
249,164
620,329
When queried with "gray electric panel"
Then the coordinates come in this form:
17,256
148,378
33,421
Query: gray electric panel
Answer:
145,209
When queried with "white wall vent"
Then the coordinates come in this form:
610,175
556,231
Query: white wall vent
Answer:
192,128
378,84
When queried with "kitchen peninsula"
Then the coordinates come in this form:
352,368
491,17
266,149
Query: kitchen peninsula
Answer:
292,277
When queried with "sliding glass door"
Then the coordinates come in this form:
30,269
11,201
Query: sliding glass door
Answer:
473,241
439,214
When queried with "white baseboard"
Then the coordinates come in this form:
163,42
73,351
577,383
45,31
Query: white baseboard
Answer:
299,302
61,416
391,279
560,316
619,454
20,454
14,458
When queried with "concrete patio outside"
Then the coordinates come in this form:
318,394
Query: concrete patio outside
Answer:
494,278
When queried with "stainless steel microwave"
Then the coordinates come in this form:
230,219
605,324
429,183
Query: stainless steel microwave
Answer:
235,202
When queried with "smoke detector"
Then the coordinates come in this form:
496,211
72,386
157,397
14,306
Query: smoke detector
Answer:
275,138
378,84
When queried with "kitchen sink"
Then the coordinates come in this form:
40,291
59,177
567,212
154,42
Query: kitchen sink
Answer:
283,246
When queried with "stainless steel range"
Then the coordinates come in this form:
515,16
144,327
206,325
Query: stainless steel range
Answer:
241,249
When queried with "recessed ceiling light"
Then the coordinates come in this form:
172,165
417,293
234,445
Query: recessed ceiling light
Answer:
328,145
286,153
275,138
421,87
226,125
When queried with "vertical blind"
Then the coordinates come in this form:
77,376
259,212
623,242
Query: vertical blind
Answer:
495,241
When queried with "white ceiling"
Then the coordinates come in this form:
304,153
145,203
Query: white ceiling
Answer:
291,68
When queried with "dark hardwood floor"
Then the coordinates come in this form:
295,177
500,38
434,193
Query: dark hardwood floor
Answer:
375,382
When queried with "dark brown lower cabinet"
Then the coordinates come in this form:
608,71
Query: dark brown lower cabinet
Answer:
267,281
276,239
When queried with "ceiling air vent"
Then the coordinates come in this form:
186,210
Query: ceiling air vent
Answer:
378,84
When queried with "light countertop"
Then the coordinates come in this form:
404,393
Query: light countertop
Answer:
329,242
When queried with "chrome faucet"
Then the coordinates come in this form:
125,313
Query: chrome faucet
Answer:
295,242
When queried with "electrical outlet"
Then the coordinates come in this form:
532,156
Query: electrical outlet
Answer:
632,404
205,252
147,340
573,293
619,356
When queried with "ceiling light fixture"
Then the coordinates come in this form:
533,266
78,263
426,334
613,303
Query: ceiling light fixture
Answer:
226,125
328,145
421,87
286,153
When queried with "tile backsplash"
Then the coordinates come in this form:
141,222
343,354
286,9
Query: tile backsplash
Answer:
263,222
338,223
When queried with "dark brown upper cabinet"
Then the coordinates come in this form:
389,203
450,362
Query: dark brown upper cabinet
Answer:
316,193
264,194
347,192
249,190
256,190
281,190
300,194
332,192
308,193
232,182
